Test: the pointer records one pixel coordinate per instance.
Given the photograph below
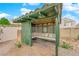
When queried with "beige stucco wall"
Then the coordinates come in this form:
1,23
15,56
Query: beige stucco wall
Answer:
69,33
9,33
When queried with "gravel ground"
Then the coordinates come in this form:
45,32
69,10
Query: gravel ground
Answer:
39,48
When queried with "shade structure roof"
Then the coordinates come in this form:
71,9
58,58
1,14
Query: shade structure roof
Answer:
48,11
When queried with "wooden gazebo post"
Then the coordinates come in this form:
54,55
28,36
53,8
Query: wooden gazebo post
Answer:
58,20
57,34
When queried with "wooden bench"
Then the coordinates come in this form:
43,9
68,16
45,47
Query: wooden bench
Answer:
45,36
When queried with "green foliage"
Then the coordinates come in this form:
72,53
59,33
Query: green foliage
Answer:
66,45
78,37
18,44
34,15
4,21
48,12
1,31
23,18
44,13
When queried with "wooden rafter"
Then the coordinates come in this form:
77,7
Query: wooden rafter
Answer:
40,13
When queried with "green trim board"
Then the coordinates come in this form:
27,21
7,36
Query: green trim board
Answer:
26,32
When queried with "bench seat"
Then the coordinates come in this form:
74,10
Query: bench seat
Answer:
45,36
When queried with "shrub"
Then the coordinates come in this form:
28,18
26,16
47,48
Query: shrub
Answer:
66,45
4,21
18,44
78,37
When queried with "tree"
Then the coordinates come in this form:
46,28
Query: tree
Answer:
4,21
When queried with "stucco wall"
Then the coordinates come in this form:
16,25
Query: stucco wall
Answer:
69,33
9,33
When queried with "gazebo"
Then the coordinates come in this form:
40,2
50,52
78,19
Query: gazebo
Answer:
42,23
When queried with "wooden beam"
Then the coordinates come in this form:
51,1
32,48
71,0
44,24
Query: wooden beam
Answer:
44,21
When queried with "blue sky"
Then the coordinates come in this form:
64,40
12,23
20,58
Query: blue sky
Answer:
13,10
71,10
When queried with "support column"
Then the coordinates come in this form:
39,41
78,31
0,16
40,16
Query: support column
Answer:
26,33
57,34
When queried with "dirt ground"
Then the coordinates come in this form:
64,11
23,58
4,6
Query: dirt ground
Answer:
74,43
39,48
6,46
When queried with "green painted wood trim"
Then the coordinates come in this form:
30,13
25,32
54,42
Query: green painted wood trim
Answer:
44,13
30,42
57,34
26,32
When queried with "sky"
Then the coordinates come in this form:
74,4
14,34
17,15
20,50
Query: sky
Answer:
71,10
13,10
